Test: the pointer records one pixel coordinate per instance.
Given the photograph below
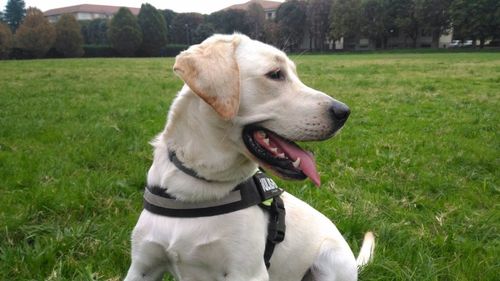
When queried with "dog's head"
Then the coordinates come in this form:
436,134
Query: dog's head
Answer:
255,89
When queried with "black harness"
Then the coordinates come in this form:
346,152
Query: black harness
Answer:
257,190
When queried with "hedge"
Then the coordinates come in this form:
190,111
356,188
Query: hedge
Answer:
97,51
92,51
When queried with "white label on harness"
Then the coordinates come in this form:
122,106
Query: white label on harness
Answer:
268,184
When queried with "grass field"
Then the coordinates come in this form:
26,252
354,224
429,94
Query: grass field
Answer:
418,162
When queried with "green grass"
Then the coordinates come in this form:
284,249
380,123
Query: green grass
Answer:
417,162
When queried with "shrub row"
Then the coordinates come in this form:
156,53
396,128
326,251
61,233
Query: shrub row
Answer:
95,51
98,51
92,51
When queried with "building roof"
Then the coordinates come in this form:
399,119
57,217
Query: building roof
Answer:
267,5
88,8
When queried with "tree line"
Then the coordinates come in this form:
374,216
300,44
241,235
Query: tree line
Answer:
378,20
310,24
319,21
29,34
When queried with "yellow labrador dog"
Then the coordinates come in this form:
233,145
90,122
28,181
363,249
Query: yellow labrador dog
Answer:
241,107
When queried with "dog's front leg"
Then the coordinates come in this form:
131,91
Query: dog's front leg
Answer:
148,262
142,272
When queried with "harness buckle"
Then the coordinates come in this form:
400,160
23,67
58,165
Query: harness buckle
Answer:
277,227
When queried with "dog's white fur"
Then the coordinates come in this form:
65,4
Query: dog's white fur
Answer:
226,89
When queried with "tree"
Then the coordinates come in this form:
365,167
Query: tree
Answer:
318,17
256,19
184,26
436,18
95,32
378,20
272,34
476,19
154,30
409,18
6,40
229,21
169,16
35,35
69,40
125,33
291,20
202,32
345,19
14,13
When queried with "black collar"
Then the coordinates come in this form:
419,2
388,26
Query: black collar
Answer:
255,190
173,158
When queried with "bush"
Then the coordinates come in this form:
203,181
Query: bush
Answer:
35,35
154,30
125,33
173,50
99,51
69,40
52,53
6,41
19,54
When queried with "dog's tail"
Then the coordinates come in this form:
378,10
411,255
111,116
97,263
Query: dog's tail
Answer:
367,248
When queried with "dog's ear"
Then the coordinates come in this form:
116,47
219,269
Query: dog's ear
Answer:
211,71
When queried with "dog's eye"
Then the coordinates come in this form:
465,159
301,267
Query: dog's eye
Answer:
275,75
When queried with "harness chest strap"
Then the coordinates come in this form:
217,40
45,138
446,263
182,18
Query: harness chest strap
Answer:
257,190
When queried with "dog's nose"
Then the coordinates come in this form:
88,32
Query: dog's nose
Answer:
339,112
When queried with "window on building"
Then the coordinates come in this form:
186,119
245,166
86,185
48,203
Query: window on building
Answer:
84,16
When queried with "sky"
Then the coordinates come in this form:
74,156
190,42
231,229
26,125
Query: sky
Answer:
180,6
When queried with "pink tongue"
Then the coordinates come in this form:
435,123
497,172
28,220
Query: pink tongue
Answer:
307,164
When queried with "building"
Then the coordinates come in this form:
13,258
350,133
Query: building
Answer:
86,12
270,7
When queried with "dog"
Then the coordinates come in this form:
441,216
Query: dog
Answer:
242,106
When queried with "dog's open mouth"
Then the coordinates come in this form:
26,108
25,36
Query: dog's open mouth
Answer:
281,155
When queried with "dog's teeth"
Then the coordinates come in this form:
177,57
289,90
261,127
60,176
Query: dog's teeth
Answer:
281,155
274,149
296,163
266,141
